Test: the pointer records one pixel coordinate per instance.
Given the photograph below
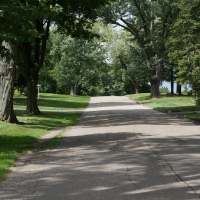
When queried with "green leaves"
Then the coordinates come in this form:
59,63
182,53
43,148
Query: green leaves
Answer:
183,43
76,61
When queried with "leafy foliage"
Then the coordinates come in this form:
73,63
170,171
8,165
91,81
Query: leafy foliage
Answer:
147,22
183,43
77,62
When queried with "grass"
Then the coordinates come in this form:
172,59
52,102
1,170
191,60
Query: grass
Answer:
18,138
54,102
195,117
167,103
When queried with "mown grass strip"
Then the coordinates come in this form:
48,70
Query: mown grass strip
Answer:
54,102
167,103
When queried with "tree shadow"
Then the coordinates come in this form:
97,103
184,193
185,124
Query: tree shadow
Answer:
52,103
105,166
122,117
107,156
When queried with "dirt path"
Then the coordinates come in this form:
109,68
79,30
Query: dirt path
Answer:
118,150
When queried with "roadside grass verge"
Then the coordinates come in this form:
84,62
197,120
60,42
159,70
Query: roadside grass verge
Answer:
168,103
193,117
49,101
16,139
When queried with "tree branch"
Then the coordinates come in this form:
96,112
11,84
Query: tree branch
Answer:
129,27
142,17
122,63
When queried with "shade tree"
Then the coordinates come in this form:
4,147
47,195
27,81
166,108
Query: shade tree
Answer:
126,55
183,44
147,22
77,63
27,25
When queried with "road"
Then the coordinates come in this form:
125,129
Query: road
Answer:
119,150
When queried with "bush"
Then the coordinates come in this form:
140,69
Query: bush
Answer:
164,90
25,91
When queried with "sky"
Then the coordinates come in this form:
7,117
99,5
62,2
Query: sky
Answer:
168,85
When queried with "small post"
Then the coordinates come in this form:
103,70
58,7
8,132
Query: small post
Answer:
38,85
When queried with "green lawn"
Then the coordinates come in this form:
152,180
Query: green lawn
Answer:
18,138
55,102
167,103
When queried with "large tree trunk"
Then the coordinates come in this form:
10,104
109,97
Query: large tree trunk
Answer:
155,80
7,77
31,75
136,86
32,106
155,83
137,90
34,58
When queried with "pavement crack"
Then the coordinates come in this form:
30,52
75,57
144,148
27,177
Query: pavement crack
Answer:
178,178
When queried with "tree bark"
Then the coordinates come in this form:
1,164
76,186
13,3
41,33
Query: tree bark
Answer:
137,90
32,105
136,86
155,80
31,75
155,83
7,77
33,59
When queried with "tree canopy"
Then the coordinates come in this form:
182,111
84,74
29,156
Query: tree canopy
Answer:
157,40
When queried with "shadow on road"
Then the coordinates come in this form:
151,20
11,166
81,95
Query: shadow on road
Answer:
114,153
108,166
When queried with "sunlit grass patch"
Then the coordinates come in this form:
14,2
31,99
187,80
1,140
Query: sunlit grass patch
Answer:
55,102
167,103
18,138
15,139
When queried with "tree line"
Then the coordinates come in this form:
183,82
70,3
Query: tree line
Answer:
75,40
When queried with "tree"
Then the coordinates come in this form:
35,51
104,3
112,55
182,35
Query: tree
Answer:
77,63
147,22
8,58
127,55
29,25
7,77
184,44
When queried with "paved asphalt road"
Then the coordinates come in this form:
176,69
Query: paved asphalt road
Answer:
118,151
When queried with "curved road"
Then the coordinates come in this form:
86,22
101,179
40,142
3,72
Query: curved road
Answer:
119,150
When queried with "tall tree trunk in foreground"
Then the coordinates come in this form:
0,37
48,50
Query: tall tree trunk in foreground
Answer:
7,77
